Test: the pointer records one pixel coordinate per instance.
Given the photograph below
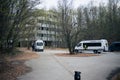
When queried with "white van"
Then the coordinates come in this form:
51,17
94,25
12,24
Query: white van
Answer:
97,46
39,45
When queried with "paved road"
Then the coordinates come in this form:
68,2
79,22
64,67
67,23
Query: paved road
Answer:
51,67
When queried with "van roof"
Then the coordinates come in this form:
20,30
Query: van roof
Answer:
94,40
39,40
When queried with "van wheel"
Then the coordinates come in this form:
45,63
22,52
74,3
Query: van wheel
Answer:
35,50
95,51
42,50
99,52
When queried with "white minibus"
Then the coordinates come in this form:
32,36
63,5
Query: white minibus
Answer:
97,46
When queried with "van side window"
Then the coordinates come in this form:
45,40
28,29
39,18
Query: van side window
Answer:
92,44
117,44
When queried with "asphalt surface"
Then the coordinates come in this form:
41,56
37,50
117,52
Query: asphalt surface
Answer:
51,67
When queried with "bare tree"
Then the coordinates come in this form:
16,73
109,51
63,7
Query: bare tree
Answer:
68,24
14,14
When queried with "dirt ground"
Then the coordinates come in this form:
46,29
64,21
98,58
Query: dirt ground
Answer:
14,66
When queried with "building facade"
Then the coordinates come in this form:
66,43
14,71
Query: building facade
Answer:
45,28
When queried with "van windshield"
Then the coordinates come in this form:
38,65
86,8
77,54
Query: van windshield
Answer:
91,44
78,44
39,44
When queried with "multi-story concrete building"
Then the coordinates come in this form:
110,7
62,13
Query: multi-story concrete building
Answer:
45,28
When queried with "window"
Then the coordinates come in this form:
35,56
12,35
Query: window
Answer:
42,28
39,44
117,44
78,44
39,28
39,35
106,44
91,44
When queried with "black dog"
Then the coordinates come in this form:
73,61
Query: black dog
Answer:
77,75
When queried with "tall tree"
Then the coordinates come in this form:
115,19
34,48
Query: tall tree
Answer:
68,24
14,14
100,22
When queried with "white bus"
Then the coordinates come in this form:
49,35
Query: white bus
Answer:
39,45
97,46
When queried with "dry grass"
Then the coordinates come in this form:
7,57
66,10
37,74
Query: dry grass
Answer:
12,70
65,49
25,55
77,55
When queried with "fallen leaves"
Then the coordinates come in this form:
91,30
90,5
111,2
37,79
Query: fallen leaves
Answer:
13,66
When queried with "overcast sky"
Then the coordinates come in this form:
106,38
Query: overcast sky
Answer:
47,4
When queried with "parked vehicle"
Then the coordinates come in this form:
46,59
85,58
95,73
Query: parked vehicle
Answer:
97,46
39,45
115,46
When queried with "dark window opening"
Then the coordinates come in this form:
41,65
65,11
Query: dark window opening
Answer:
78,44
39,44
42,28
117,44
91,44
